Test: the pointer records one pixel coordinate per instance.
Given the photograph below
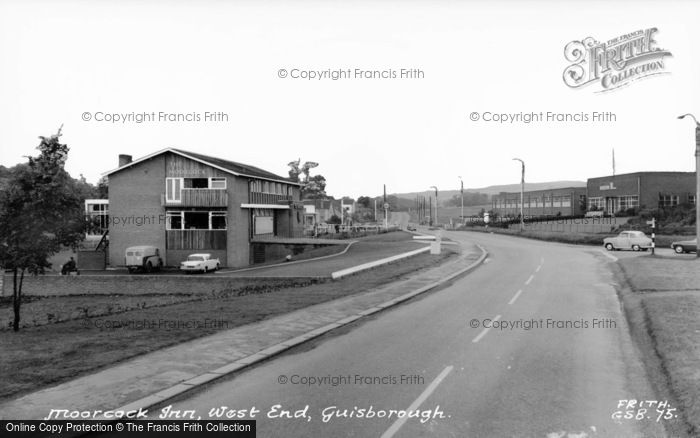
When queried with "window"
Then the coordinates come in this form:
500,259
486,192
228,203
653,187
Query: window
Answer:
691,199
196,183
629,202
668,200
556,201
264,221
218,220
566,201
547,200
196,220
173,187
173,220
595,203
217,183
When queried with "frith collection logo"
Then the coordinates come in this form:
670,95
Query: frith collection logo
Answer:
615,63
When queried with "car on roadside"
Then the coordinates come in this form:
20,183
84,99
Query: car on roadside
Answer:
685,246
634,240
143,258
411,227
202,262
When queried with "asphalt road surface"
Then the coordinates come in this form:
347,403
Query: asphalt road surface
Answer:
425,357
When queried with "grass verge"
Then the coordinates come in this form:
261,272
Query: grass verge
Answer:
48,354
665,294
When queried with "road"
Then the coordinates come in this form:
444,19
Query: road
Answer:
472,382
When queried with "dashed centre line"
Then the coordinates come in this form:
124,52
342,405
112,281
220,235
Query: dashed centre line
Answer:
532,277
486,330
515,297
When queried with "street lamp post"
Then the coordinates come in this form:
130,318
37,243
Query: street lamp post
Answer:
436,204
522,193
461,190
697,177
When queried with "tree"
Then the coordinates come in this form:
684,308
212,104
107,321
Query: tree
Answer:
40,213
312,187
365,201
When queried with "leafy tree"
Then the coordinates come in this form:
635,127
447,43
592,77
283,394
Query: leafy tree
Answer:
365,201
312,187
40,213
335,219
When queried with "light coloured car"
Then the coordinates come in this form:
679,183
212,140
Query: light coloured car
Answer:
634,240
685,246
143,258
200,263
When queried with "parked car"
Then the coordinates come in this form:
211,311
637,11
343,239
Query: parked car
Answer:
200,263
634,240
684,246
143,258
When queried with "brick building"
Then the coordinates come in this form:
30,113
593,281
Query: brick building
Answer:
567,201
183,202
616,193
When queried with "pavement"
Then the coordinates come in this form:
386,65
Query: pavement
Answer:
478,358
160,375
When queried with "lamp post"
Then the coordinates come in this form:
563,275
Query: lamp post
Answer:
461,190
697,176
436,204
522,193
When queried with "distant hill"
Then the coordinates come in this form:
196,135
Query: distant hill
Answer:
494,190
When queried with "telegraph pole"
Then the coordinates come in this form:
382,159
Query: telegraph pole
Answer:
522,193
697,178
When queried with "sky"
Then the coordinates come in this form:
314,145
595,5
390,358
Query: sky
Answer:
62,62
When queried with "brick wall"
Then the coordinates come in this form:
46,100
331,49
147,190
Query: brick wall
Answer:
135,211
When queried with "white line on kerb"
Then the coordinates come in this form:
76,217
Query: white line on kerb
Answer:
421,398
486,330
530,279
515,297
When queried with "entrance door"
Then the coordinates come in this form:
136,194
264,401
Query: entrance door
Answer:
611,205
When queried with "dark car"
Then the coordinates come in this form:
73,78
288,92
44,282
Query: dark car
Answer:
684,246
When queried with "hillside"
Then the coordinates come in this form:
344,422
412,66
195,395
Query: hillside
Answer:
494,190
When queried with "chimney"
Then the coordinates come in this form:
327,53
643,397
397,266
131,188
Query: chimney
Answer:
124,159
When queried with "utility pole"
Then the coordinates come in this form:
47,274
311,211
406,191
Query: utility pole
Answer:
697,178
522,193
436,205
461,189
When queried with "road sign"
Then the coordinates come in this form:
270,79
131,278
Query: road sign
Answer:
386,206
652,222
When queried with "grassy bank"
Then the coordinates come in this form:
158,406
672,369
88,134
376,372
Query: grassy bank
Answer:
52,352
667,292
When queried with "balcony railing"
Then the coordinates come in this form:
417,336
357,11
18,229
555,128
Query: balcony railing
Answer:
198,198
195,239
268,198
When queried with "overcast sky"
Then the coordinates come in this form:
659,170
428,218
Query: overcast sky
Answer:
60,59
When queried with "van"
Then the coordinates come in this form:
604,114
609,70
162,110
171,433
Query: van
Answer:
143,258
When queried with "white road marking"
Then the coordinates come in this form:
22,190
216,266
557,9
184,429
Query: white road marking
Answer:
515,297
417,402
532,277
486,330
487,260
538,268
